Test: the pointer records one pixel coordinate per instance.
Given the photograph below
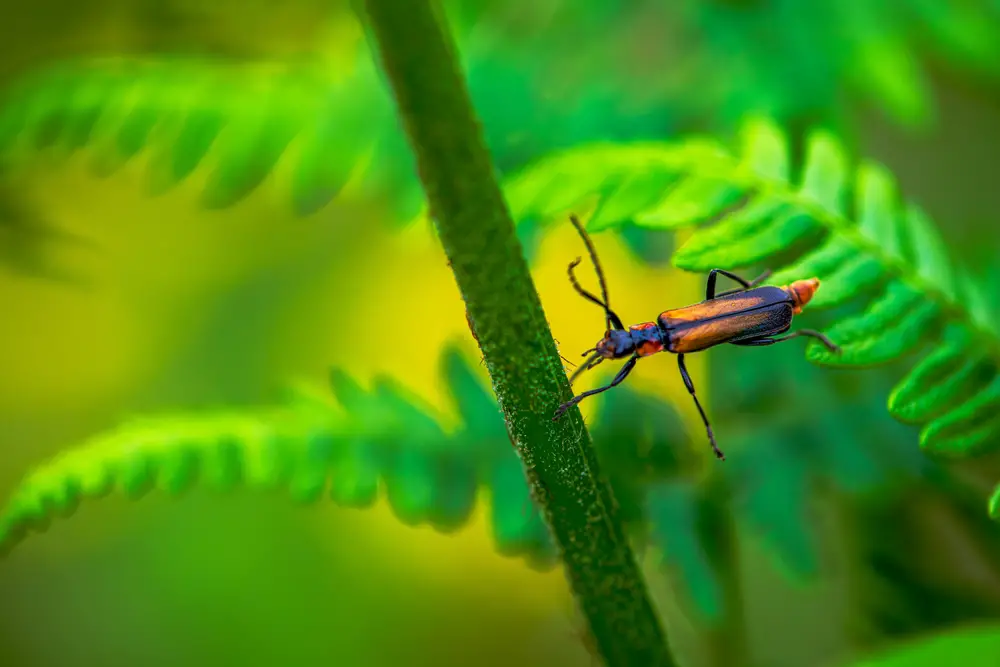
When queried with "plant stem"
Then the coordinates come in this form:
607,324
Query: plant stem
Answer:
476,230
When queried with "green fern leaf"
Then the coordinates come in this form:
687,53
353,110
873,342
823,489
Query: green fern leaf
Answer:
248,151
877,204
382,437
637,192
329,150
972,427
765,150
972,437
518,529
135,130
694,198
568,182
771,493
245,118
746,237
979,306
356,483
931,258
855,276
995,504
941,380
892,326
826,176
654,247
84,110
196,134
823,260
674,511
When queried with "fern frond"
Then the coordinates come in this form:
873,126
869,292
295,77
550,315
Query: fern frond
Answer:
973,426
800,60
674,510
772,490
906,581
242,119
940,380
569,180
895,323
851,230
308,447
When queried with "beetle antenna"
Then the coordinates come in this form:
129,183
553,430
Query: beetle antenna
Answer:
609,315
593,299
595,359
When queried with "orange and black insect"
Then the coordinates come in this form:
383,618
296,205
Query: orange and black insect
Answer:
750,316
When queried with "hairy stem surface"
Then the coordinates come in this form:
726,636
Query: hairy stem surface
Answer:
476,230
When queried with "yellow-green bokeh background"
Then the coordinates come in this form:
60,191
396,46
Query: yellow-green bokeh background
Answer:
186,308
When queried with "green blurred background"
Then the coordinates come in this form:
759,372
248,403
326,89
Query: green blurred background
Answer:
125,298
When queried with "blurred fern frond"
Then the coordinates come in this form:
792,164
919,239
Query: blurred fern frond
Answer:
925,562
309,447
384,438
237,121
241,119
848,228
27,236
791,60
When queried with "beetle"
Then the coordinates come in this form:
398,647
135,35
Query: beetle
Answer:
750,316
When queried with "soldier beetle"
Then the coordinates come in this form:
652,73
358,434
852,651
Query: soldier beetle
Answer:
750,316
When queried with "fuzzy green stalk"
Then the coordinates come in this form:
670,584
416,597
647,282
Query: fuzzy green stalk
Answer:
475,227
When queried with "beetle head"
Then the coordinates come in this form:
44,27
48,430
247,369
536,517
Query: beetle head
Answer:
615,344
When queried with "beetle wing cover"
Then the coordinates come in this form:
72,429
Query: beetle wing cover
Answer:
703,334
726,305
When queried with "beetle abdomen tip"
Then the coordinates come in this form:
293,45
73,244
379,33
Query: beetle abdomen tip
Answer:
802,292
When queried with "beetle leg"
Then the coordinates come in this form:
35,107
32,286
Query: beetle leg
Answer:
746,285
753,342
830,345
713,276
690,387
761,278
622,374
594,359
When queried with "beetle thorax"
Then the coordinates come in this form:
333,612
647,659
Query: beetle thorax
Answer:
640,339
647,338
